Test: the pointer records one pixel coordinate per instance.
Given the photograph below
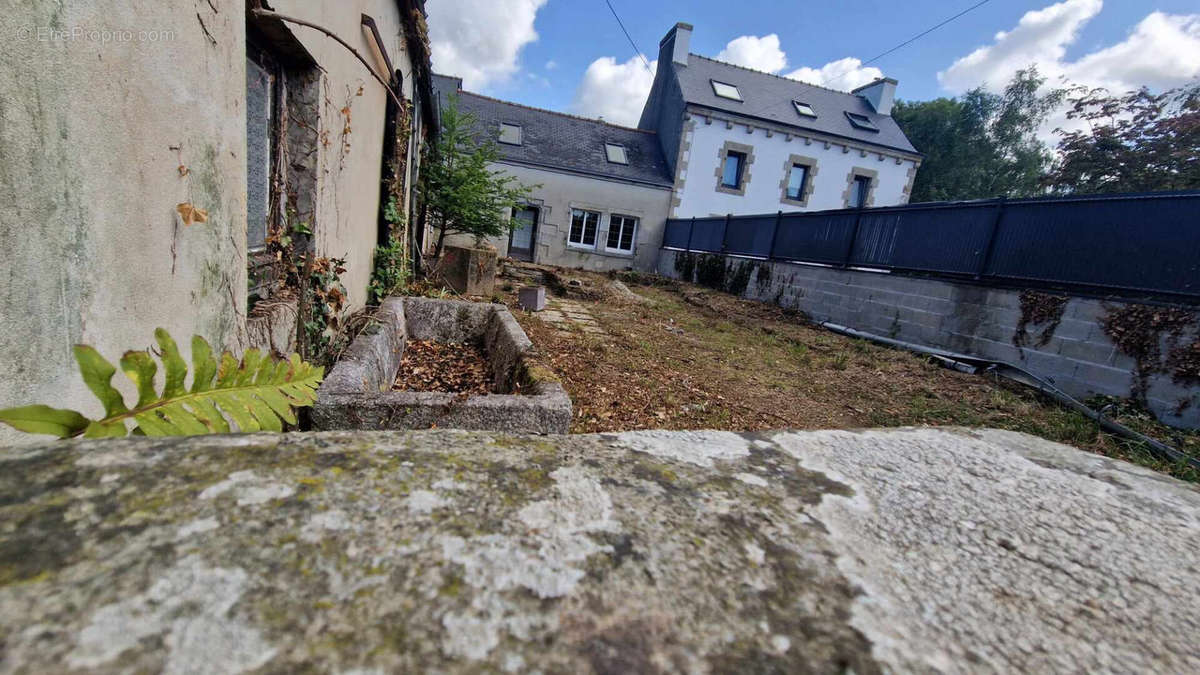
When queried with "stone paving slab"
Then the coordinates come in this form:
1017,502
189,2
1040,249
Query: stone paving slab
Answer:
903,550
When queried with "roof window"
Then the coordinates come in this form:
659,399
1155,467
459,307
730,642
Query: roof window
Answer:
616,153
804,109
510,133
861,122
725,90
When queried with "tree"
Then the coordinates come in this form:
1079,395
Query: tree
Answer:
458,192
1135,142
983,144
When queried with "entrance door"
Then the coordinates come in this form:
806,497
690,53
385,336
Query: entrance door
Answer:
524,235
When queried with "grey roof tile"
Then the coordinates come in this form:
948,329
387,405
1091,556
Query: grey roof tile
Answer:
560,141
769,97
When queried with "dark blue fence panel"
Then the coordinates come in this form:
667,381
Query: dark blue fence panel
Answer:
1134,242
815,237
675,235
750,235
708,234
946,239
1138,243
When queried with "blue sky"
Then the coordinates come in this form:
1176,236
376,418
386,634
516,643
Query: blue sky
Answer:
572,56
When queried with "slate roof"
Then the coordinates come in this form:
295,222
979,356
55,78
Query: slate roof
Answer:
559,141
769,97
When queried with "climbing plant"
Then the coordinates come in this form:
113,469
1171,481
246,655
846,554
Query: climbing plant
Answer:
257,393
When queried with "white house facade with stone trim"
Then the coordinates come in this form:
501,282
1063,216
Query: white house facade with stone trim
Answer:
831,162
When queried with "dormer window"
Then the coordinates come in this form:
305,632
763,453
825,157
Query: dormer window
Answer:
861,122
510,134
804,109
616,153
725,90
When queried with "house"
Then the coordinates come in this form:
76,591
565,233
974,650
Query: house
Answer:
740,141
602,191
153,148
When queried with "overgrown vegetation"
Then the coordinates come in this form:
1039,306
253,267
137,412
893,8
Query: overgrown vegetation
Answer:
257,394
692,358
392,267
1158,340
322,301
458,191
1039,309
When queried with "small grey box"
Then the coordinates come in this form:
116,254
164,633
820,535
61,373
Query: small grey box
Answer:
532,298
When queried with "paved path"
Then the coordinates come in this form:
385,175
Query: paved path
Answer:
562,312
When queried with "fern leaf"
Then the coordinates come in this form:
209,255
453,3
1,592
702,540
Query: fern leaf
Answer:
256,393
204,366
140,368
175,366
97,375
42,419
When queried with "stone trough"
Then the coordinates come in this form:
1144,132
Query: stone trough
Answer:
357,393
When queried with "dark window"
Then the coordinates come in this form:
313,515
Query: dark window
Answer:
797,177
860,192
621,231
861,121
731,173
583,227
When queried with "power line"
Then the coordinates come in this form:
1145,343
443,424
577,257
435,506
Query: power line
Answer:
627,37
911,40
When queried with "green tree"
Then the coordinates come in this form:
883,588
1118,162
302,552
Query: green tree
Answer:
458,192
1135,142
982,144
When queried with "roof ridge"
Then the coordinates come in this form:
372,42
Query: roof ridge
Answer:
555,112
779,77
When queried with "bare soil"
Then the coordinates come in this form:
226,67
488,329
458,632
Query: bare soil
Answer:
457,368
692,358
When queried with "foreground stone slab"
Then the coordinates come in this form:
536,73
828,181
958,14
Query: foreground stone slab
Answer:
903,550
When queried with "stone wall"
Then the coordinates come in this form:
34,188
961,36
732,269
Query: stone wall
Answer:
1063,340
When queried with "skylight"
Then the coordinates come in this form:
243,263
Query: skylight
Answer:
615,153
861,121
804,109
725,90
510,133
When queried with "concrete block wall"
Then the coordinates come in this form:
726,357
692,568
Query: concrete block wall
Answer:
1078,357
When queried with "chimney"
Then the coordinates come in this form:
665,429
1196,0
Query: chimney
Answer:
881,94
674,45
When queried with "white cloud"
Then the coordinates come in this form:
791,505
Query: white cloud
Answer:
760,53
551,64
480,40
1162,51
843,74
615,91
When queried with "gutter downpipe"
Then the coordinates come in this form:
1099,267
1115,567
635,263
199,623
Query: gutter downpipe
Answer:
975,365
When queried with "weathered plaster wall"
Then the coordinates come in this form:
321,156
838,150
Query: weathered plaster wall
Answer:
93,136
1077,355
560,192
706,134
348,187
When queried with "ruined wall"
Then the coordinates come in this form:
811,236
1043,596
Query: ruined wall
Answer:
103,134
1085,346
352,108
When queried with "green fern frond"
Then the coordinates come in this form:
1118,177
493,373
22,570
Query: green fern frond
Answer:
258,393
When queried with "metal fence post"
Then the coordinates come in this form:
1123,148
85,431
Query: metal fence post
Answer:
991,242
775,234
725,234
853,237
691,231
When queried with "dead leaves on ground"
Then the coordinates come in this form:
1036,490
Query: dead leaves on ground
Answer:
458,368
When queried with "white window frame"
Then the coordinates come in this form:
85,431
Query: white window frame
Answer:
737,94
583,232
632,237
803,109
610,148
519,130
